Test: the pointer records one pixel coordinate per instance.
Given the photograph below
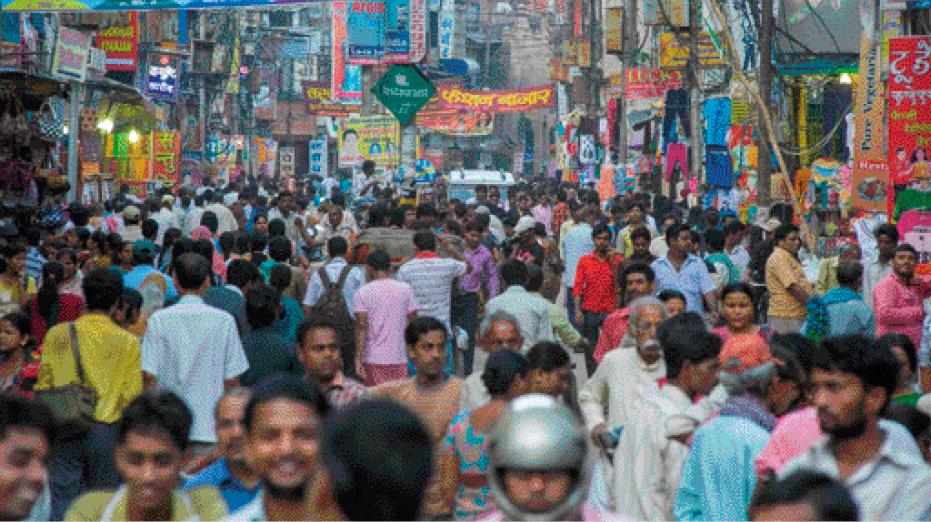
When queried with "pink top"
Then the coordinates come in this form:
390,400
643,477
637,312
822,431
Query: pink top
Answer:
387,303
725,334
794,434
900,307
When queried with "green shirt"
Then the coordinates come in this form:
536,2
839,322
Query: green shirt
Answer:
204,503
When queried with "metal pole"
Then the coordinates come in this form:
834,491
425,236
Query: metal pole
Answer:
764,191
695,106
74,133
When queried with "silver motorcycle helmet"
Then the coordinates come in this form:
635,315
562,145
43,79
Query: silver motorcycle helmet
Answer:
538,433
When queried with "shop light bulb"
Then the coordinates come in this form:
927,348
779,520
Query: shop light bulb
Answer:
133,136
106,125
845,79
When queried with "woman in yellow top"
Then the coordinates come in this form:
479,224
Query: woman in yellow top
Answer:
15,286
152,440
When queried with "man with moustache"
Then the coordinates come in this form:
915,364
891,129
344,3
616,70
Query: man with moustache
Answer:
877,460
231,474
283,422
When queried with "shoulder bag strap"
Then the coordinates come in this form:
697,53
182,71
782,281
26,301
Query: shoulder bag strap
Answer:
76,351
325,276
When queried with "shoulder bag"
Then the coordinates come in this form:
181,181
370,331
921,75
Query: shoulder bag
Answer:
72,405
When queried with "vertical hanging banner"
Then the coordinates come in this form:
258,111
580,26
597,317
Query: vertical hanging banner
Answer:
397,31
448,26
166,157
318,158
365,32
339,31
418,30
71,52
909,124
869,179
121,45
162,76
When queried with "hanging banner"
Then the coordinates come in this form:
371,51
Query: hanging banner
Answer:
614,29
319,101
265,105
318,158
71,51
652,83
517,100
909,124
449,47
870,177
419,25
459,122
264,153
121,45
286,161
166,157
375,138
365,44
672,54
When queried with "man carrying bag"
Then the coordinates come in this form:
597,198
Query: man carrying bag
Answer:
88,373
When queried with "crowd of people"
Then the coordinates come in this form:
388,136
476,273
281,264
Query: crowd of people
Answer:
234,351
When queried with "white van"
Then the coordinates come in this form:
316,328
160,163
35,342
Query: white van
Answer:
462,183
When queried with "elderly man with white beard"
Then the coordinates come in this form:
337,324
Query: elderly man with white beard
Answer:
615,391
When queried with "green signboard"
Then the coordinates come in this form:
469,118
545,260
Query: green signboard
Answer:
404,90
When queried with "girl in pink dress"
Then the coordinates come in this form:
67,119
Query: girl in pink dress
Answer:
737,313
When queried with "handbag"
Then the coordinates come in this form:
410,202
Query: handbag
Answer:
72,405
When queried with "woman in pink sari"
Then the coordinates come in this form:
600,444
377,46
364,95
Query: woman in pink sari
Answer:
219,266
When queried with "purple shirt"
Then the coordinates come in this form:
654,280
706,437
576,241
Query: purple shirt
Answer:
483,271
544,215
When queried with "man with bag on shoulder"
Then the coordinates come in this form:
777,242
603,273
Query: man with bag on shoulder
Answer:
108,366
337,278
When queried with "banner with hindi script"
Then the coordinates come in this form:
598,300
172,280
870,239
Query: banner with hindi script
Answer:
514,100
869,179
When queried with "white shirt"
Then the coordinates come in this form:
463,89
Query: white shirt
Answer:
225,218
192,220
740,257
354,282
618,387
531,313
474,393
873,273
894,485
290,229
432,279
191,348
647,463
166,219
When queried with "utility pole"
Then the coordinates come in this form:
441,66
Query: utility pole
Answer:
695,106
764,191
628,60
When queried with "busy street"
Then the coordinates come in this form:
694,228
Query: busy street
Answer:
453,260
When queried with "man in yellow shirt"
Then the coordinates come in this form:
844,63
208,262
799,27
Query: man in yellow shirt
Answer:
789,291
110,358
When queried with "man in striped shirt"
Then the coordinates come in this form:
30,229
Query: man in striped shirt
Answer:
432,393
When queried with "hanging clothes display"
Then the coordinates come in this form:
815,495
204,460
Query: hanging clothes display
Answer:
719,166
676,111
717,116
677,155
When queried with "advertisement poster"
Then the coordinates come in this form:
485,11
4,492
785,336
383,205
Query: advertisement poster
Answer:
909,124
264,152
672,54
318,158
915,229
365,32
517,100
449,47
121,45
459,122
320,101
71,50
870,177
419,25
652,83
163,77
265,105
166,157
375,138
614,29
286,161
397,31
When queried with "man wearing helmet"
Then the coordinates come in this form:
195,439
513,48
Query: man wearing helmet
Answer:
537,463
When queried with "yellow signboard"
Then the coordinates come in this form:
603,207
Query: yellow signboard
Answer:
672,54
614,30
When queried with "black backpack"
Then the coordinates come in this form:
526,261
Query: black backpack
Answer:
332,303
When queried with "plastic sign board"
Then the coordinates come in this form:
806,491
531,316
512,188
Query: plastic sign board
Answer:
404,90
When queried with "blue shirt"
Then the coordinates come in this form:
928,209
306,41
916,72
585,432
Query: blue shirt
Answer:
576,245
218,475
718,477
137,275
692,279
293,317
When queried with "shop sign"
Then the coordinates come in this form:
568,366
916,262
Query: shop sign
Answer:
909,123
614,30
652,82
318,158
677,12
71,51
96,60
457,122
162,78
286,159
869,179
365,33
418,30
515,100
397,31
672,54
570,53
448,24
375,138
121,45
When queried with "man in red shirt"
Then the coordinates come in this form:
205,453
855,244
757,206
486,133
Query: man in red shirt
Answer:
595,291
